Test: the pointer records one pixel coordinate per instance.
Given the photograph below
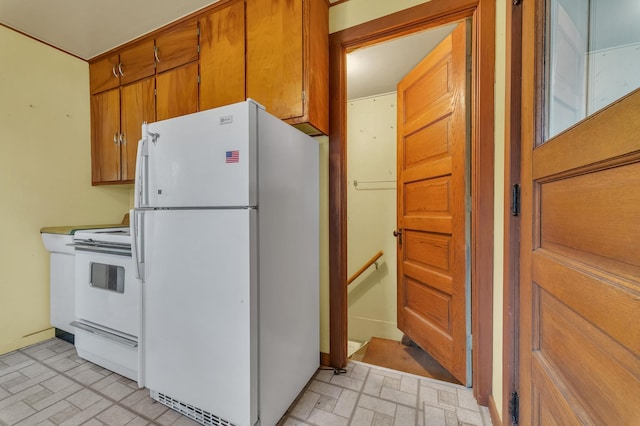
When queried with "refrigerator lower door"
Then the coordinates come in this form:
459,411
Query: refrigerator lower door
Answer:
200,310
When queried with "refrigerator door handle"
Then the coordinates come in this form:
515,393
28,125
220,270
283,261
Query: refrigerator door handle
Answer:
141,185
137,243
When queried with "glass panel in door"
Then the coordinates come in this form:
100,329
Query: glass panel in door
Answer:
592,58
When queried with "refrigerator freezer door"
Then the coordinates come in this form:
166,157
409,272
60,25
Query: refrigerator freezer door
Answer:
200,307
205,159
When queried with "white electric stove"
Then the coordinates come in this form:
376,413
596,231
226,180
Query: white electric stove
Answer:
108,301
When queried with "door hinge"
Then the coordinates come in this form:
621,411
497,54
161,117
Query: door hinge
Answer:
515,200
514,407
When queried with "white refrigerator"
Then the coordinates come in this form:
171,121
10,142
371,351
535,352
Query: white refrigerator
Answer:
226,243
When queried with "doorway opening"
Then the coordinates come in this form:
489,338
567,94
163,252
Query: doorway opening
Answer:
428,15
372,206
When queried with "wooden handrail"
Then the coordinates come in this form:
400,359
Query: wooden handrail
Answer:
364,267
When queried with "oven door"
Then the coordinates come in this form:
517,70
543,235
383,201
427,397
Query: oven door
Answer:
107,291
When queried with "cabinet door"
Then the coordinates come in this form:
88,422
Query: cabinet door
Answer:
137,62
177,47
222,53
275,56
177,92
105,137
137,104
103,74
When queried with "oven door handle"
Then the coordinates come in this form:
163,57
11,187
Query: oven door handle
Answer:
105,334
137,242
108,249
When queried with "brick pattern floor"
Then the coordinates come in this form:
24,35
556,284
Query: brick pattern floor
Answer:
368,395
48,384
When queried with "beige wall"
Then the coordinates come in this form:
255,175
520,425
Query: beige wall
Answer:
355,12
324,243
45,179
371,216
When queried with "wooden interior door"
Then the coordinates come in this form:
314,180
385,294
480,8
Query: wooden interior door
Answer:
432,193
580,273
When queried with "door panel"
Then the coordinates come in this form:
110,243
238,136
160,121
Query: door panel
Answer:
137,62
275,56
177,92
103,74
137,107
205,141
200,296
222,57
580,263
105,149
432,135
97,304
177,47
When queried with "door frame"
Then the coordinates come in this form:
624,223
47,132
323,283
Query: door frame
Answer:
427,15
511,229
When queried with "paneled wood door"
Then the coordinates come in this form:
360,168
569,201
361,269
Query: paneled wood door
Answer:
432,193
580,273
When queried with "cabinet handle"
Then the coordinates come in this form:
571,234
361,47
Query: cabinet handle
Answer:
155,53
120,69
122,140
115,138
113,70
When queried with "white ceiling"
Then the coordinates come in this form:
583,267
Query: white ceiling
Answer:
87,28
378,69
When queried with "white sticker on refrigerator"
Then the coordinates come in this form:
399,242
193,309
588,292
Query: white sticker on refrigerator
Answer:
226,119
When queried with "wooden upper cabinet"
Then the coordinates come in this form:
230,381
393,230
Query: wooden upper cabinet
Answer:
137,106
274,55
288,60
177,92
129,65
222,57
177,46
103,74
274,51
105,137
137,62
116,123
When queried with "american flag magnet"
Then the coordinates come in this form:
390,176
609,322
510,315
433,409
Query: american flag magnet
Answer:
232,157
